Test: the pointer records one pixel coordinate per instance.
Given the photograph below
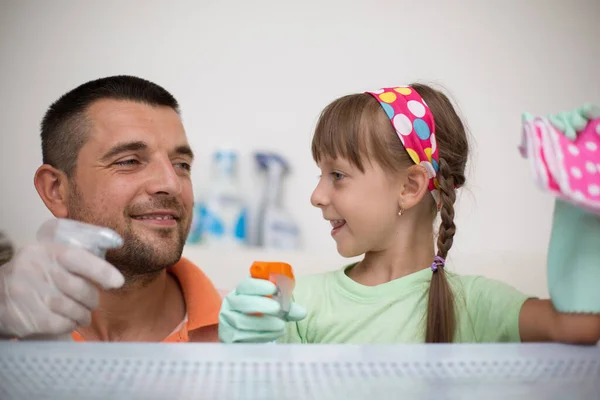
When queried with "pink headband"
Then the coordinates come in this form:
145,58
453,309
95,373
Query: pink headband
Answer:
415,127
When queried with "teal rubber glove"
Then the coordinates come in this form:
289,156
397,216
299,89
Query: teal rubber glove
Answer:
237,325
574,260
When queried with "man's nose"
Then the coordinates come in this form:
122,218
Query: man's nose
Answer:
163,179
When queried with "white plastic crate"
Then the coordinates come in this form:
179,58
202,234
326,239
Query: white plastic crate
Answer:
57,370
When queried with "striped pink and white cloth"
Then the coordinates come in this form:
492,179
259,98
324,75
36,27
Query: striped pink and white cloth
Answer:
568,169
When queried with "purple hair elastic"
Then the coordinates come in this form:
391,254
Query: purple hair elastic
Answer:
438,262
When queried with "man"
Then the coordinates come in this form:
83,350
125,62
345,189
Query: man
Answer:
115,154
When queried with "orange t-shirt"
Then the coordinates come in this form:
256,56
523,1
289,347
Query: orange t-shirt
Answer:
202,302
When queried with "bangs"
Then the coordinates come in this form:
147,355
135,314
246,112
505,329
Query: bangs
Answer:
355,128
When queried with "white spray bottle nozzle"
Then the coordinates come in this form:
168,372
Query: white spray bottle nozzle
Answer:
265,159
95,239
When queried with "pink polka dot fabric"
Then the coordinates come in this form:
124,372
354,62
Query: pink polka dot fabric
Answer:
568,169
415,126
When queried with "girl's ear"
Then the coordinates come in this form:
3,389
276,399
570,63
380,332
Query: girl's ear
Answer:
414,188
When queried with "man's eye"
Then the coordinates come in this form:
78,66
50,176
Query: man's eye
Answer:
126,163
185,166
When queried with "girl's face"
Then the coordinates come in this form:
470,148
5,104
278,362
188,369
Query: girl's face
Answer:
361,206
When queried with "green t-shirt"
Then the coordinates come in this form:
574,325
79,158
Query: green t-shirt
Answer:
341,310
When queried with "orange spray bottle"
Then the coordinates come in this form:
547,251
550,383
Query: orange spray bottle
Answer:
282,275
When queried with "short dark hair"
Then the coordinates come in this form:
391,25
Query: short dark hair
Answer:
64,127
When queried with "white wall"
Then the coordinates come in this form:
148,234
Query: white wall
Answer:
257,73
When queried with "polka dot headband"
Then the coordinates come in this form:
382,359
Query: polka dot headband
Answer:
415,126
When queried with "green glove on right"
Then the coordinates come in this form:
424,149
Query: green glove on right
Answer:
574,260
238,325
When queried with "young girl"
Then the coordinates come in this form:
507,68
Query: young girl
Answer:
390,160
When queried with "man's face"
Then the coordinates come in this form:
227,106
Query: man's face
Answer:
133,176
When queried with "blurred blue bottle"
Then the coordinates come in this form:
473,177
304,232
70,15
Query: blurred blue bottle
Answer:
223,215
196,229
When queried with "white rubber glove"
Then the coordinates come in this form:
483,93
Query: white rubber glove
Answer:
50,289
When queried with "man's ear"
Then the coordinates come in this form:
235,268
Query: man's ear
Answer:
53,187
416,185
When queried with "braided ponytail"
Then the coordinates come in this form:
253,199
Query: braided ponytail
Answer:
453,150
441,320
